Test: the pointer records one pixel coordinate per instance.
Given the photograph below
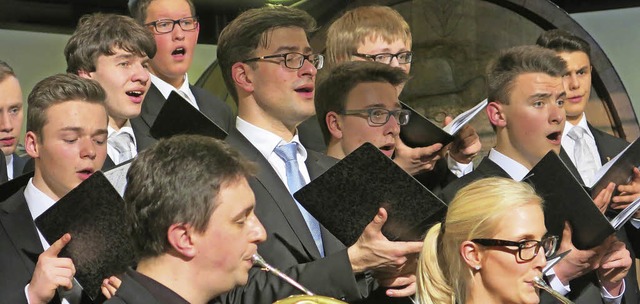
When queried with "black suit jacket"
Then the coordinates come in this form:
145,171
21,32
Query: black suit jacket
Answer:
18,164
132,292
289,245
3,170
19,248
209,105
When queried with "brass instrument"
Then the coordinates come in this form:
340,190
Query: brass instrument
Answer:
540,283
307,298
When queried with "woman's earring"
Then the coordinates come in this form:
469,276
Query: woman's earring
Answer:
477,267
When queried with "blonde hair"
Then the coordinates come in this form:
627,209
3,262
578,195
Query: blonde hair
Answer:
475,212
365,22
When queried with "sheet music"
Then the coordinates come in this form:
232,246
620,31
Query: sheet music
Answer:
118,177
464,118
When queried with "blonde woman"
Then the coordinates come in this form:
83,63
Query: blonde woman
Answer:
489,249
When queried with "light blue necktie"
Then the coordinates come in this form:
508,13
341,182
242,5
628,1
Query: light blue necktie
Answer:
295,181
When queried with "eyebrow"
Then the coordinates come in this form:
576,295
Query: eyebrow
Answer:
124,56
545,95
292,49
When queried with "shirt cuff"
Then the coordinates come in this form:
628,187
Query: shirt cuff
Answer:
608,298
459,169
635,222
556,284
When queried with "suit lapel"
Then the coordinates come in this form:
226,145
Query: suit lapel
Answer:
272,183
151,106
487,168
108,164
608,146
18,224
204,105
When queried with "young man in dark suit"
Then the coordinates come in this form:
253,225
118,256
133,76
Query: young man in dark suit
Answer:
114,50
10,120
194,230
175,27
270,70
600,145
66,136
526,109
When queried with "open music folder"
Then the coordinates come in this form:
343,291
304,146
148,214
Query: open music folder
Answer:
618,170
422,132
565,199
346,198
93,213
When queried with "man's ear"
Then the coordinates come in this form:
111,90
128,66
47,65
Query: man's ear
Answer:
84,74
180,237
495,113
333,124
31,145
242,76
471,254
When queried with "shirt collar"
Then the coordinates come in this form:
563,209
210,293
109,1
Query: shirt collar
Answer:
9,161
165,88
516,170
37,201
581,123
265,141
126,128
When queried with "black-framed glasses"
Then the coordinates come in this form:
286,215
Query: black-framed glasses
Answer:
294,60
403,57
164,26
380,116
527,249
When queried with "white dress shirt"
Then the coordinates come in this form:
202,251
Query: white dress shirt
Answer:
266,142
9,160
517,172
38,203
166,89
111,150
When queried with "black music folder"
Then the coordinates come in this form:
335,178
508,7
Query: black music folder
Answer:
93,213
178,116
422,132
346,198
619,170
565,199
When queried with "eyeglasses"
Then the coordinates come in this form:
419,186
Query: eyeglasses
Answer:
527,249
294,60
164,26
403,57
380,116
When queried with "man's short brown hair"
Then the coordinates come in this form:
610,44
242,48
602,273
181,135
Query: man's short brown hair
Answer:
99,34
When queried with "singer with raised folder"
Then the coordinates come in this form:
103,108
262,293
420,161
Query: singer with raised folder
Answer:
194,230
270,70
526,109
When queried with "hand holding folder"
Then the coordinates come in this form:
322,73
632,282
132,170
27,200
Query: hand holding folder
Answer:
421,132
347,197
566,200
93,214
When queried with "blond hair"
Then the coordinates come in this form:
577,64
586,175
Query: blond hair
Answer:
365,22
475,212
